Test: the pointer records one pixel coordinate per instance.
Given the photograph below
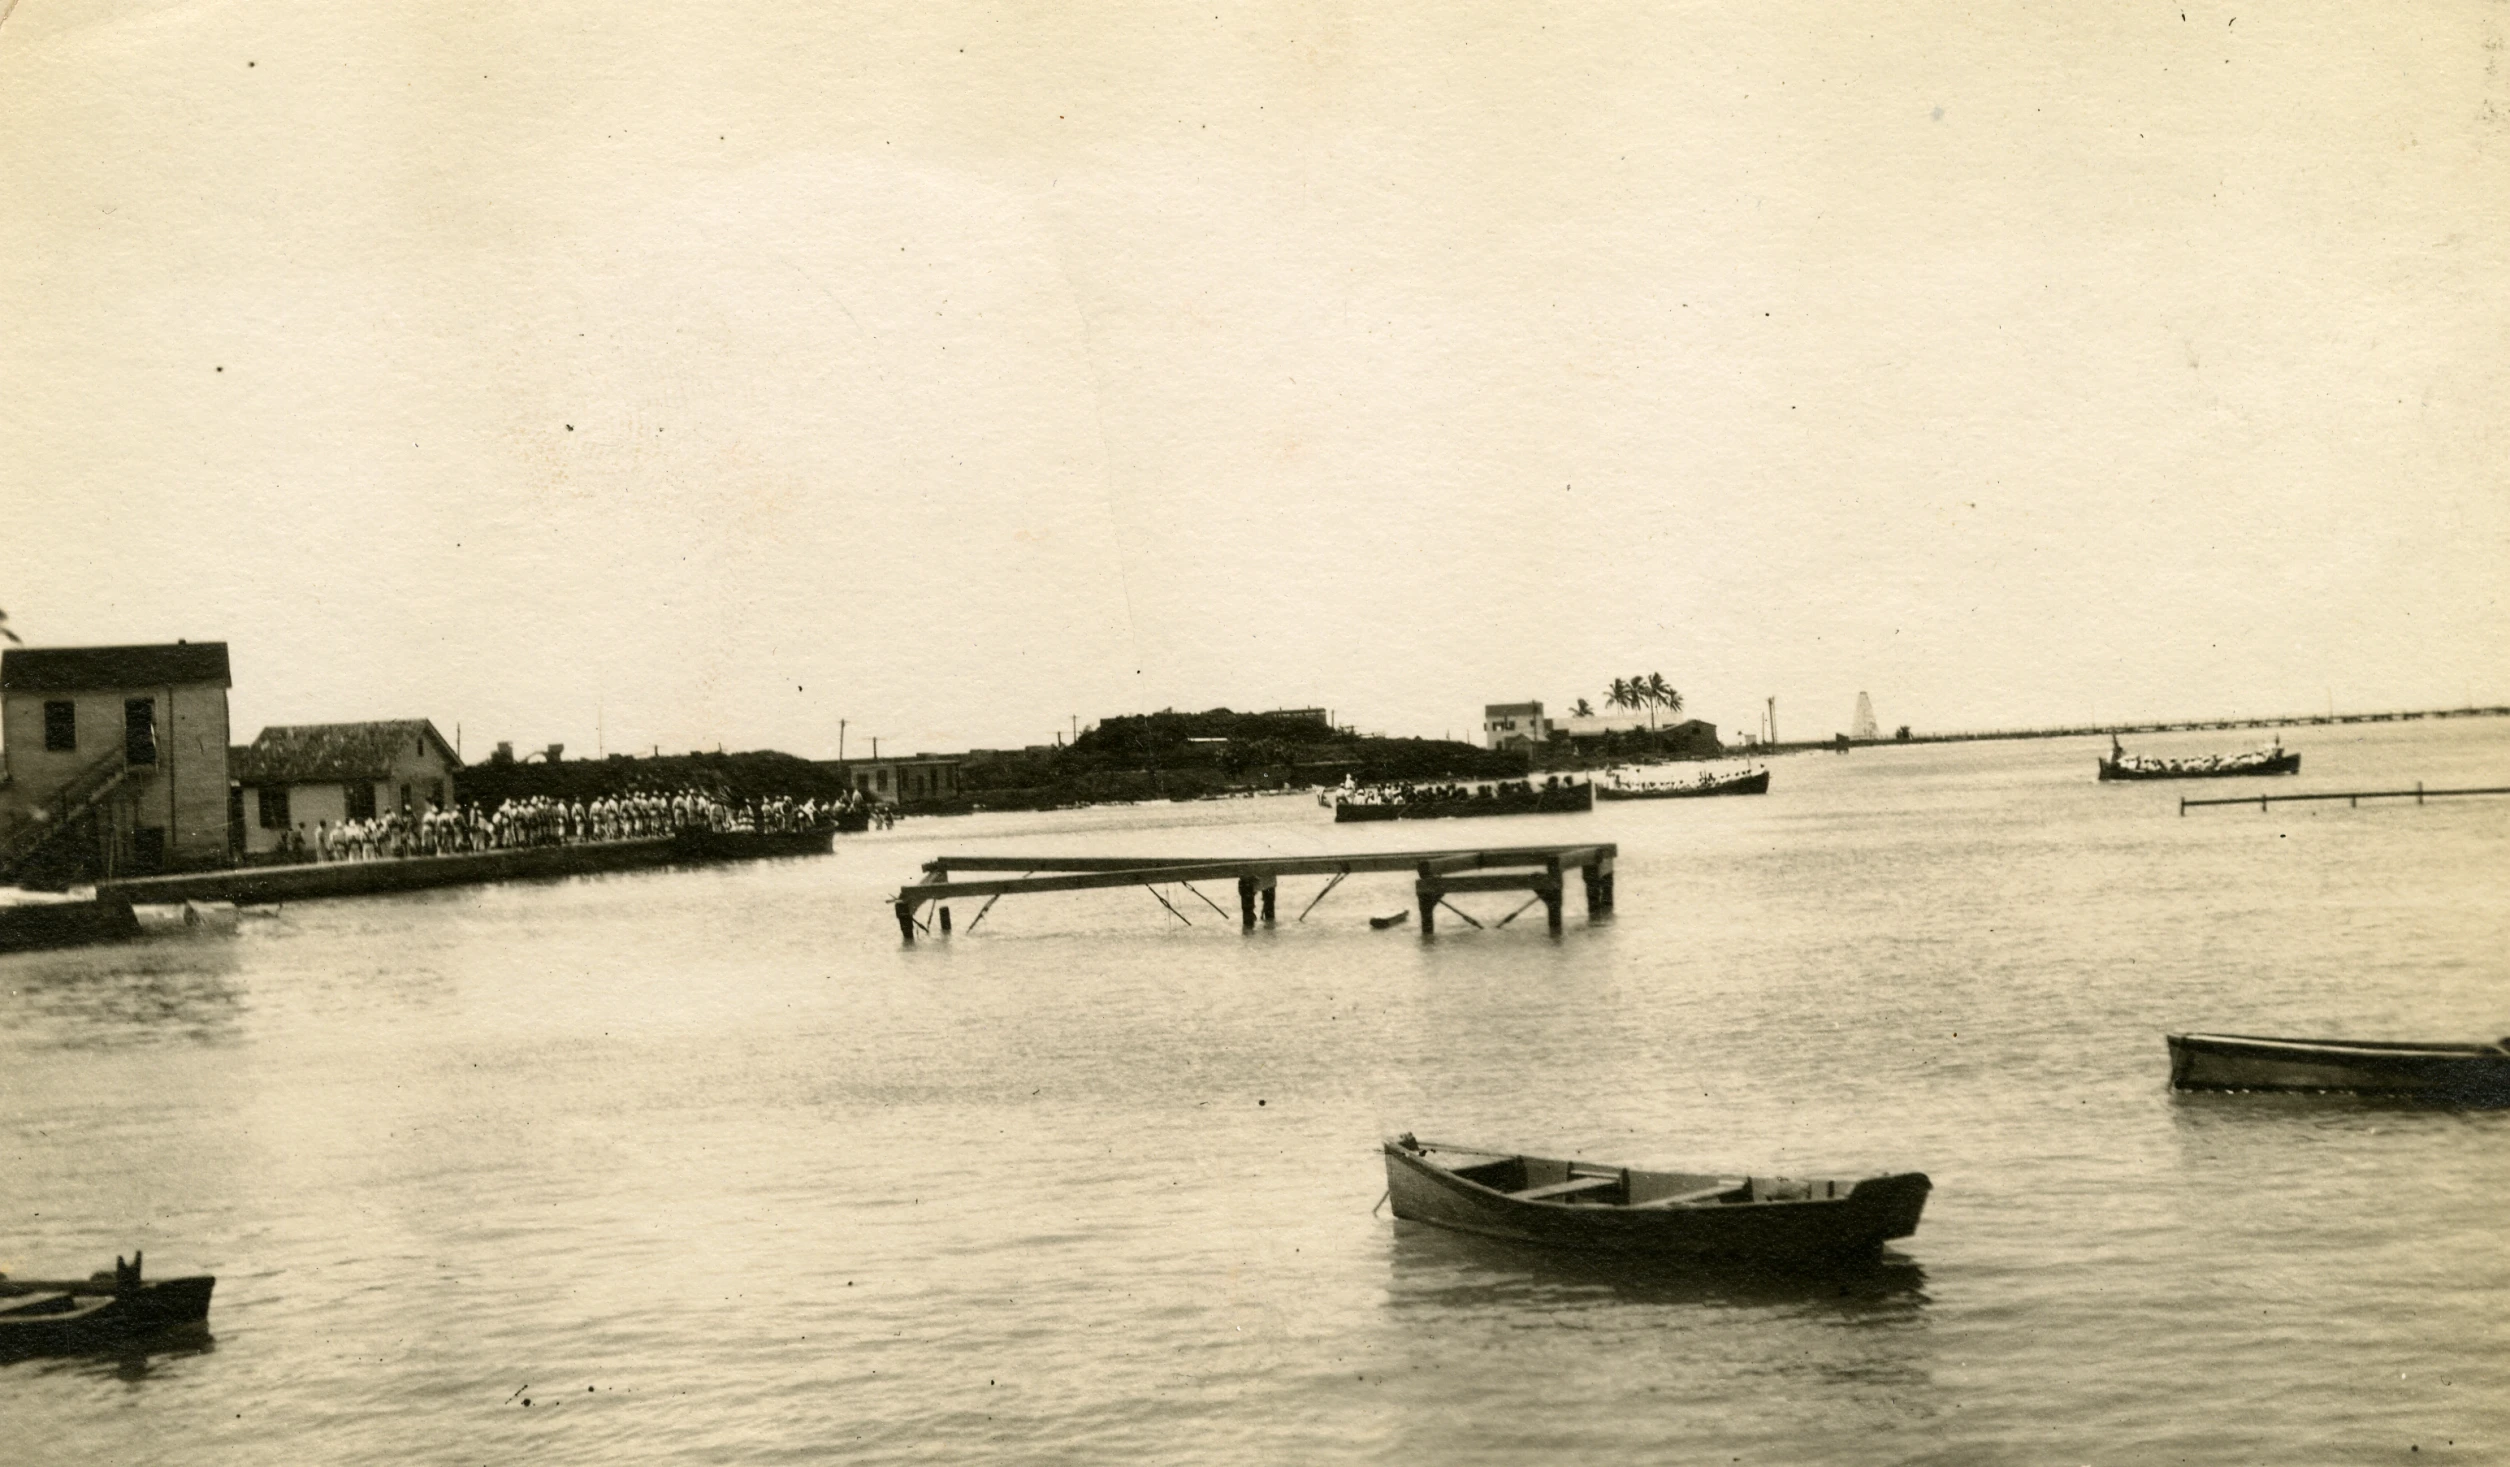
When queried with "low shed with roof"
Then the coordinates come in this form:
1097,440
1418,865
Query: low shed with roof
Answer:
306,775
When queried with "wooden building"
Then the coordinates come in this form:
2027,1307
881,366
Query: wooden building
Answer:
113,761
902,781
303,776
1514,725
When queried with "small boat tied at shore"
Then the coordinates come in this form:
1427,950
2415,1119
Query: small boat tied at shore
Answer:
1458,799
103,1312
1704,1216
2121,765
2442,1073
1639,783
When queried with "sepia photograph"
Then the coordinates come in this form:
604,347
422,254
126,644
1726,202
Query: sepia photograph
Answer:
1283,733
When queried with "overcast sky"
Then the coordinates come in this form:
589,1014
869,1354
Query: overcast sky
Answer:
709,374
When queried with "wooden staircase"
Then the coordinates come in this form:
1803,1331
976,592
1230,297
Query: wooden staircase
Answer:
62,812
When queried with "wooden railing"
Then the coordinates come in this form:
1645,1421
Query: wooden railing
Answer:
60,812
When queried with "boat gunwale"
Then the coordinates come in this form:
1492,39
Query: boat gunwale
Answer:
2373,1048
1448,1177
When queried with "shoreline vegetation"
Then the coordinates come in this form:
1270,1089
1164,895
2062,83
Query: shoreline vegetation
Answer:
1221,754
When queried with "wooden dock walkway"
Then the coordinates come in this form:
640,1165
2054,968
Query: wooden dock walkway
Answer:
1540,871
2418,795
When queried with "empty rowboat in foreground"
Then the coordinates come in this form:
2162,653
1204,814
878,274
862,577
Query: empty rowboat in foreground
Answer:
1701,1216
2449,1073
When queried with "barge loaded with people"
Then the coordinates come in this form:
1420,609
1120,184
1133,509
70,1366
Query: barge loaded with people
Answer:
2122,765
1454,800
1616,787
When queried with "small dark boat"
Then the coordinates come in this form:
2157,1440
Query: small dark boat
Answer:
2122,765
1755,783
108,1311
1397,920
2465,1074
854,821
1697,1216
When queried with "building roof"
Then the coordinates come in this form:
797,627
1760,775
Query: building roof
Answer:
76,669
310,753
1503,710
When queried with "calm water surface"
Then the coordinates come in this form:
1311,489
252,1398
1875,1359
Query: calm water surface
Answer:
706,1167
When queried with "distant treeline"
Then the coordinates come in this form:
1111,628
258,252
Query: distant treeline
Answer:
1143,756
1183,756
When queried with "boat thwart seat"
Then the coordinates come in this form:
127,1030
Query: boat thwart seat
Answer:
1570,1188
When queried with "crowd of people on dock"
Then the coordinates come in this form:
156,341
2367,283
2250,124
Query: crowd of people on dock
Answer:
542,820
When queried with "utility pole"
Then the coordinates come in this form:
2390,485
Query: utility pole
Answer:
841,741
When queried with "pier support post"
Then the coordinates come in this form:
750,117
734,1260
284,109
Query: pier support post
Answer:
1246,904
945,921
1429,910
1270,888
1551,894
906,922
1598,875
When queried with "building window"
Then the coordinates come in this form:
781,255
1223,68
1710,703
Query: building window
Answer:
359,800
405,799
61,725
274,806
139,730
148,848
435,794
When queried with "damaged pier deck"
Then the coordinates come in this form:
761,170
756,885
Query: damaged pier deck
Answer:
1541,871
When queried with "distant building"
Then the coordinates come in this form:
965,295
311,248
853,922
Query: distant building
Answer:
310,774
1511,725
1311,715
1693,738
900,781
113,760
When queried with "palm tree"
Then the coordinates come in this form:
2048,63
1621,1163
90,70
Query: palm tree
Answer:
1582,710
5,632
1662,693
1618,696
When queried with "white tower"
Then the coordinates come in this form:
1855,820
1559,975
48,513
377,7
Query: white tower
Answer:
1863,725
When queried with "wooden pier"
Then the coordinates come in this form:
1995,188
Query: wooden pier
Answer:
1540,871
2418,795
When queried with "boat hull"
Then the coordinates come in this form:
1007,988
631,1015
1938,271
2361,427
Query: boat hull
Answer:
749,845
1747,784
2288,763
2471,1074
55,1320
1832,1220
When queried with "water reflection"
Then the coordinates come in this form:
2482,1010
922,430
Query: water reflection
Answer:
127,994
1435,1269
2206,1115
131,1364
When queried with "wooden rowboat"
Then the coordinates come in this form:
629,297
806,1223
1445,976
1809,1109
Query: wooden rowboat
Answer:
108,1311
1698,1216
2475,1074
